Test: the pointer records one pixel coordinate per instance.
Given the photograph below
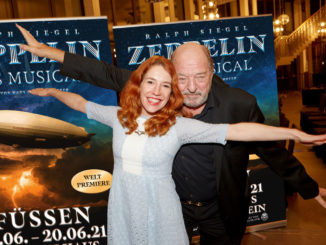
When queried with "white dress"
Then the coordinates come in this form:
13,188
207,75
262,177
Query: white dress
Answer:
144,208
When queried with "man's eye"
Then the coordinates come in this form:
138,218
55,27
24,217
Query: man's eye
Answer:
167,86
200,77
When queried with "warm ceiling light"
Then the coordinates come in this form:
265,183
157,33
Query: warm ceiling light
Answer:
277,22
284,19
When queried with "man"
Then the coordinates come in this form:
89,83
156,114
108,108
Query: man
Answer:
211,180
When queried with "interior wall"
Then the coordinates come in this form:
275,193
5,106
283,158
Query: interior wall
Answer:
6,10
24,9
32,8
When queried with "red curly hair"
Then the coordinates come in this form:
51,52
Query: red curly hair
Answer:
131,106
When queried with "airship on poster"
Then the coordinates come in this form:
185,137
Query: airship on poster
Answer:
25,129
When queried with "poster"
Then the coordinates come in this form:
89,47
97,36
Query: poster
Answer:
266,198
55,164
242,50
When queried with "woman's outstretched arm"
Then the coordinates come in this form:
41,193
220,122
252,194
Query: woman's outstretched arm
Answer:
74,101
40,49
260,132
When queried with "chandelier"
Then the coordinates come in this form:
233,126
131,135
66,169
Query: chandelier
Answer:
282,20
210,10
322,28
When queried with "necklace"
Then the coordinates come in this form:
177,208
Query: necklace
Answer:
140,129
139,132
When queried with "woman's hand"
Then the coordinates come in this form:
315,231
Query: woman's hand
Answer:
309,139
321,196
39,49
247,131
43,92
72,100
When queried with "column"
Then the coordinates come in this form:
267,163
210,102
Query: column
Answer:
254,7
297,13
145,11
69,7
6,10
244,8
171,10
92,7
159,13
234,9
297,18
189,9
310,67
200,10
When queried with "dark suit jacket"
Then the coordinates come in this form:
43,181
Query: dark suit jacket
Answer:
231,105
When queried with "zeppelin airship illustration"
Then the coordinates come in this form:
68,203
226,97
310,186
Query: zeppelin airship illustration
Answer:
25,129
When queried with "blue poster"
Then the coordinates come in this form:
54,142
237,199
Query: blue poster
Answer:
55,164
242,50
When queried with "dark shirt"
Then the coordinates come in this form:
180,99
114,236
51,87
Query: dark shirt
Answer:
193,169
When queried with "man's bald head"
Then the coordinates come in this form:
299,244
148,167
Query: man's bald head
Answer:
192,49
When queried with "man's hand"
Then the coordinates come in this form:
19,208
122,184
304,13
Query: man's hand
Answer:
319,198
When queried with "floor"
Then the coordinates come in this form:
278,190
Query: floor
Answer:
306,219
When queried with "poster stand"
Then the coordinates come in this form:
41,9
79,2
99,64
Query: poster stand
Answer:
267,208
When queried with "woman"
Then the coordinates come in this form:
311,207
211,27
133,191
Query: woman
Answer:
148,130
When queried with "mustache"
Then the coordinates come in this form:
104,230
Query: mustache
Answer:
190,93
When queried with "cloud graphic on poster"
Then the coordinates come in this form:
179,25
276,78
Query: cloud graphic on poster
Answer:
18,182
7,165
47,177
57,179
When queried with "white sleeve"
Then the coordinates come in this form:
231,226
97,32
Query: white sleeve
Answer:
195,131
101,113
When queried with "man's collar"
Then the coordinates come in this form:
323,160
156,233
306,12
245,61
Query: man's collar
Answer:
210,103
210,100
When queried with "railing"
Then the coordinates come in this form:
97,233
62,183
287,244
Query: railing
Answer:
287,48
